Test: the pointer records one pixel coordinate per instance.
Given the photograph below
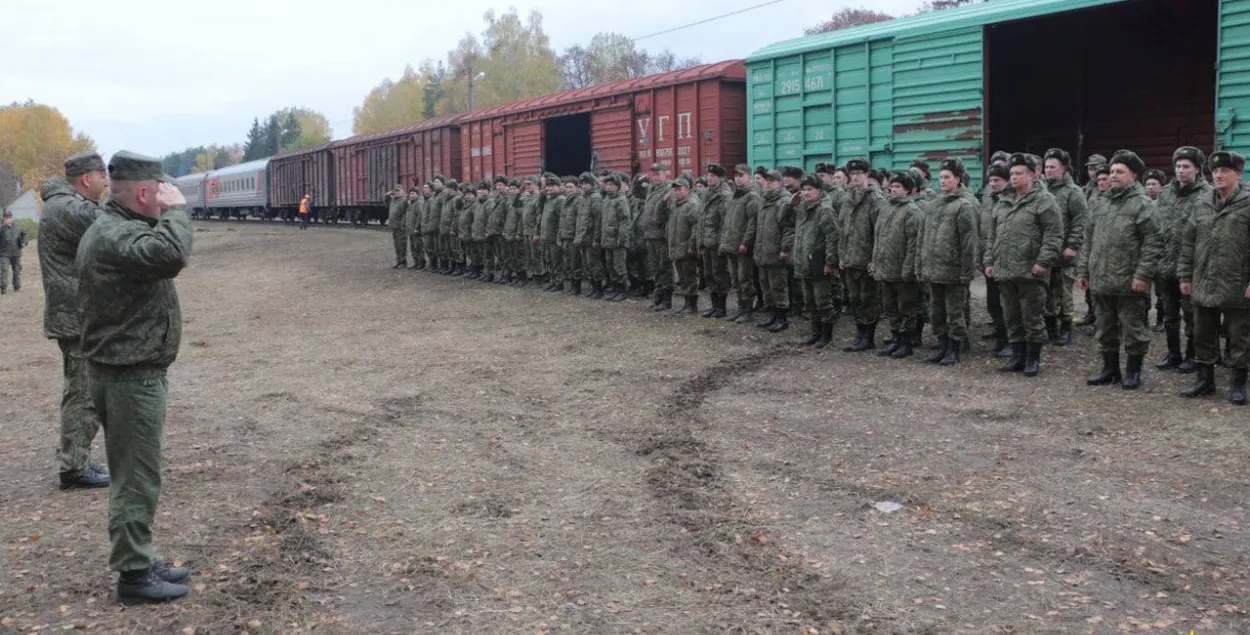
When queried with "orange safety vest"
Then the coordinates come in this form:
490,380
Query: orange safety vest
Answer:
303,207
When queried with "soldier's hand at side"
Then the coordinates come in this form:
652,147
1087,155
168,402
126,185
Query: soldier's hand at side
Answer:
742,249
830,270
785,255
1069,254
534,240
1082,284
1248,293
989,272
1039,271
1188,288
1140,286
168,196
872,268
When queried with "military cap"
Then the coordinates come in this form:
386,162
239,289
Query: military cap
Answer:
701,181
1102,168
954,165
761,171
499,178
82,163
1060,154
1095,159
551,177
1022,159
587,179
999,170
742,168
452,185
1037,160
772,175
842,169
1225,159
823,168
1189,153
857,165
1001,155
612,178
514,183
1156,174
682,181
921,165
413,189
659,166
810,181
129,166
1128,159
905,178
716,169
792,172
440,177
883,175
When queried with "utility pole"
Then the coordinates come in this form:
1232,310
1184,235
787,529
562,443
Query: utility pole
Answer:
471,78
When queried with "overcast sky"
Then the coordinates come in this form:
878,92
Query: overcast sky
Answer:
155,76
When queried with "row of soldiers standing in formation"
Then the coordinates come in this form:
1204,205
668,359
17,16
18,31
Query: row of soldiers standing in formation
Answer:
875,244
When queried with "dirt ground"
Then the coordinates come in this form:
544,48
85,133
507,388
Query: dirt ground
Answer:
354,449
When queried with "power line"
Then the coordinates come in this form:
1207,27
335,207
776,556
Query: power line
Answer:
711,19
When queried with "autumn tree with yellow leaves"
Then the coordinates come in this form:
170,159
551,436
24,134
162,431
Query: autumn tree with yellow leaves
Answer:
35,140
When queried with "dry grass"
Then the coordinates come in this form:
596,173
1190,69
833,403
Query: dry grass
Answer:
352,449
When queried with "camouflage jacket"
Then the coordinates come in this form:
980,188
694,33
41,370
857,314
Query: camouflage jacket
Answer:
475,222
682,235
1122,243
985,219
739,226
835,196
568,216
896,244
131,321
637,224
397,206
514,207
615,227
496,209
447,213
1214,257
589,219
430,212
12,240
859,216
1024,231
774,230
66,217
412,217
531,216
655,212
815,239
949,239
712,213
1073,211
1176,204
549,226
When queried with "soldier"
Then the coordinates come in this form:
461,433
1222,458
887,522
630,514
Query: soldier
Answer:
842,178
1176,204
924,191
1026,235
996,182
893,266
655,214
587,234
858,218
815,258
397,206
1214,271
549,233
774,242
573,265
1073,211
69,208
761,174
412,225
428,225
738,239
1091,168
714,208
472,231
948,259
1122,251
508,239
447,229
131,327
531,218
496,216
1102,184
834,190
12,241
682,238
431,223
641,284
615,236
1154,180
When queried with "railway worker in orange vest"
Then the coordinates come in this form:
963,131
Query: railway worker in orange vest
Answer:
304,204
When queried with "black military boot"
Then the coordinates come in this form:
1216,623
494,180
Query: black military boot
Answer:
1187,364
1065,331
1033,359
598,287
868,342
1016,363
1237,391
1159,326
400,264
715,299
576,288
772,314
490,277
941,352
815,336
1204,383
692,305
952,354
168,573
93,477
826,334
748,313
666,301
1089,318
719,302
739,309
1132,372
894,342
909,339
1173,357
146,586
782,323
1052,328
1110,373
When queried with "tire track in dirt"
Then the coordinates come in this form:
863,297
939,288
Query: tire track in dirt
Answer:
763,589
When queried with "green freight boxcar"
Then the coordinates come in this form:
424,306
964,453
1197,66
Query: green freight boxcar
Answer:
1090,76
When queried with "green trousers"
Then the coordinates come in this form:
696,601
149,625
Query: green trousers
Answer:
687,283
742,277
775,284
10,266
592,263
1024,309
132,414
1207,335
716,270
947,309
1122,318
79,423
400,238
900,304
1059,292
818,296
616,260
863,296
659,267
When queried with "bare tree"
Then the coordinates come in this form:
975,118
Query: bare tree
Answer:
847,18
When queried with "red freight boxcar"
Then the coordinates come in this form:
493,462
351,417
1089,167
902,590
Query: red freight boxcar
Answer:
687,119
292,174
366,166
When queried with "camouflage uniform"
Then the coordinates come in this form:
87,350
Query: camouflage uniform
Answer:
1214,258
1025,230
859,217
682,238
65,218
1073,212
896,248
398,207
131,330
655,222
531,219
816,247
473,234
549,232
774,235
948,259
496,217
412,225
12,241
615,238
835,196
448,215
587,234
429,229
993,302
510,240
573,265
1175,206
738,230
713,210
